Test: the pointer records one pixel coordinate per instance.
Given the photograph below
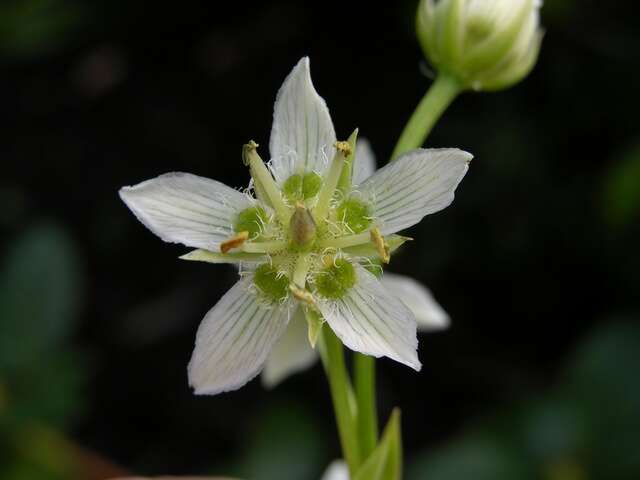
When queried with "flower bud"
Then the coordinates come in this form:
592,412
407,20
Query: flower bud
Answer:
483,44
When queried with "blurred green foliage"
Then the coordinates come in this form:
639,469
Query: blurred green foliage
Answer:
586,427
36,27
622,189
41,377
286,444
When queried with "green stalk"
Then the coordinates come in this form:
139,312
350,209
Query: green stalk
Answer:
365,384
332,355
443,91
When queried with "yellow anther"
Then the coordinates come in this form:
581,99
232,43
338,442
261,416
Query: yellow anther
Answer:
234,242
380,244
344,148
302,294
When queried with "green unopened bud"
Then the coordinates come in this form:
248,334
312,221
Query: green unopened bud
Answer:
302,228
484,44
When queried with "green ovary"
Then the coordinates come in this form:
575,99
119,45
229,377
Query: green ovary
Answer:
273,285
333,282
302,187
251,220
354,214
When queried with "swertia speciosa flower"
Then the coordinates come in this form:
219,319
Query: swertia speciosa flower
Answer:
305,238
484,44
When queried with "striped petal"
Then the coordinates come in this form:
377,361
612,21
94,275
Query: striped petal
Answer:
370,320
429,314
417,184
292,353
302,135
234,339
183,208
365,163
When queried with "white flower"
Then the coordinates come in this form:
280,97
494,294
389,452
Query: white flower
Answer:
484,44
304,237
293,354
337,470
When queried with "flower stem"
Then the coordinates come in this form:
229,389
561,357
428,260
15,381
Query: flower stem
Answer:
443,91
365,385
332,356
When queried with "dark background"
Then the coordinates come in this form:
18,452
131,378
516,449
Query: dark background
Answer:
536,261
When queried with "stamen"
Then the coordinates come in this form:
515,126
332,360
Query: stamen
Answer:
273,246
345,241
381,245
343,150
264,181
234,242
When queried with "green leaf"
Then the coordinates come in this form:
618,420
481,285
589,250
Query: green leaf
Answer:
621,193
40,295
476,456
34,27
385,463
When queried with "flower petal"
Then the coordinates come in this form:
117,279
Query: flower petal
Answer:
370,320
417,184
183,208
302,136
365,162
429,314
291,354
234,339
337,470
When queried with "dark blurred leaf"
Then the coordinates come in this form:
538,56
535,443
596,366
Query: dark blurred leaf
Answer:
552,428
50,392
287,445
31,27
40,292
622,189
477,457
603,374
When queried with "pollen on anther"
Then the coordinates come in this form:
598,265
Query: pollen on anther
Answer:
234,242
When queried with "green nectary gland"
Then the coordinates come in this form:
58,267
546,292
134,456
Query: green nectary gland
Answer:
271,283
355,215
251,220
302,187
335,281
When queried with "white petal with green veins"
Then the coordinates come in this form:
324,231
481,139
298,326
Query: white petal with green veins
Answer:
183,208
365,163
417,184
302,136
370,320
429,314
291,354
234,339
